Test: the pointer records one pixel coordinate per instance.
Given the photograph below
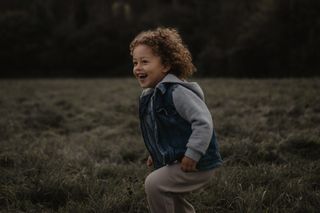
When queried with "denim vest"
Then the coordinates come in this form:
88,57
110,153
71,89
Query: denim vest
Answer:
167,133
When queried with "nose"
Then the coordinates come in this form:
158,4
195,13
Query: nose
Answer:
137,67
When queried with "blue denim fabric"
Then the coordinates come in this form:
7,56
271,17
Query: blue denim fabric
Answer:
166,133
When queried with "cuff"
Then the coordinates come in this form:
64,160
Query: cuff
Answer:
191,153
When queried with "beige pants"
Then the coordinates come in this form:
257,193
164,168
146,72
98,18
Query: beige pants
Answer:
166,187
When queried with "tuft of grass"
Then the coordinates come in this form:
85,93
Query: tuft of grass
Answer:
304,146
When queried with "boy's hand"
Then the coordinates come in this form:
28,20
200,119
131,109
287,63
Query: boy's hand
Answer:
188,164
149,161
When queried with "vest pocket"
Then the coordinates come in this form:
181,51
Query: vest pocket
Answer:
167,113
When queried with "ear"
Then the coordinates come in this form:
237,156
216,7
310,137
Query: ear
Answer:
166,68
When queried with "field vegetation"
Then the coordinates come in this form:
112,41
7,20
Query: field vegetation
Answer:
75,146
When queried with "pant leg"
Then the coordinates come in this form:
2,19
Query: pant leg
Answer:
165,188
182,205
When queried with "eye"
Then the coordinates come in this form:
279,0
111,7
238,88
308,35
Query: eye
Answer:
134,63
145,61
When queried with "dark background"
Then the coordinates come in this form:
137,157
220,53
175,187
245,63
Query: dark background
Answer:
227,38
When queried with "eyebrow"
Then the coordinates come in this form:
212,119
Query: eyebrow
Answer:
143,57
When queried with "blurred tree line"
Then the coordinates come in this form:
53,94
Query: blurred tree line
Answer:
232,38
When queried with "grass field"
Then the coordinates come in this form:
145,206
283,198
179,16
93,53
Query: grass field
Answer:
75,146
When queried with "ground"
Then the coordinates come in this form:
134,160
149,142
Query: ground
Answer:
74,145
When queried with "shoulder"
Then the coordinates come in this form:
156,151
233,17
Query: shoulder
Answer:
182,91
184,97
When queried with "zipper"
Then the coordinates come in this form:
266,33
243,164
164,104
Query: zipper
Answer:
156,130
156,148
143,130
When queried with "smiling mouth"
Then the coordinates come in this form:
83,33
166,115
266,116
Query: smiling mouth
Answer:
142,76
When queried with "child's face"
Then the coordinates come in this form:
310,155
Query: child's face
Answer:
147,67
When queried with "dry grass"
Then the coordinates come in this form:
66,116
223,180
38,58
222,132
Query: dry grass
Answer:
75,146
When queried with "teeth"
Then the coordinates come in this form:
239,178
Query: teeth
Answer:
142,75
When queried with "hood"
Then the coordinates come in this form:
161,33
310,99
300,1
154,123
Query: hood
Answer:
170,78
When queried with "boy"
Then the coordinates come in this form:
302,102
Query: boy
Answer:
175,122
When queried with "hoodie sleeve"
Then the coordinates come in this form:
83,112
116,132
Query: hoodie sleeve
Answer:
193,109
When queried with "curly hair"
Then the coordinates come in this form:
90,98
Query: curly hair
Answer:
168,45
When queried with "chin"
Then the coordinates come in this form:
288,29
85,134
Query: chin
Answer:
145,85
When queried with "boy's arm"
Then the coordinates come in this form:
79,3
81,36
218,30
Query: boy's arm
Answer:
193,109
